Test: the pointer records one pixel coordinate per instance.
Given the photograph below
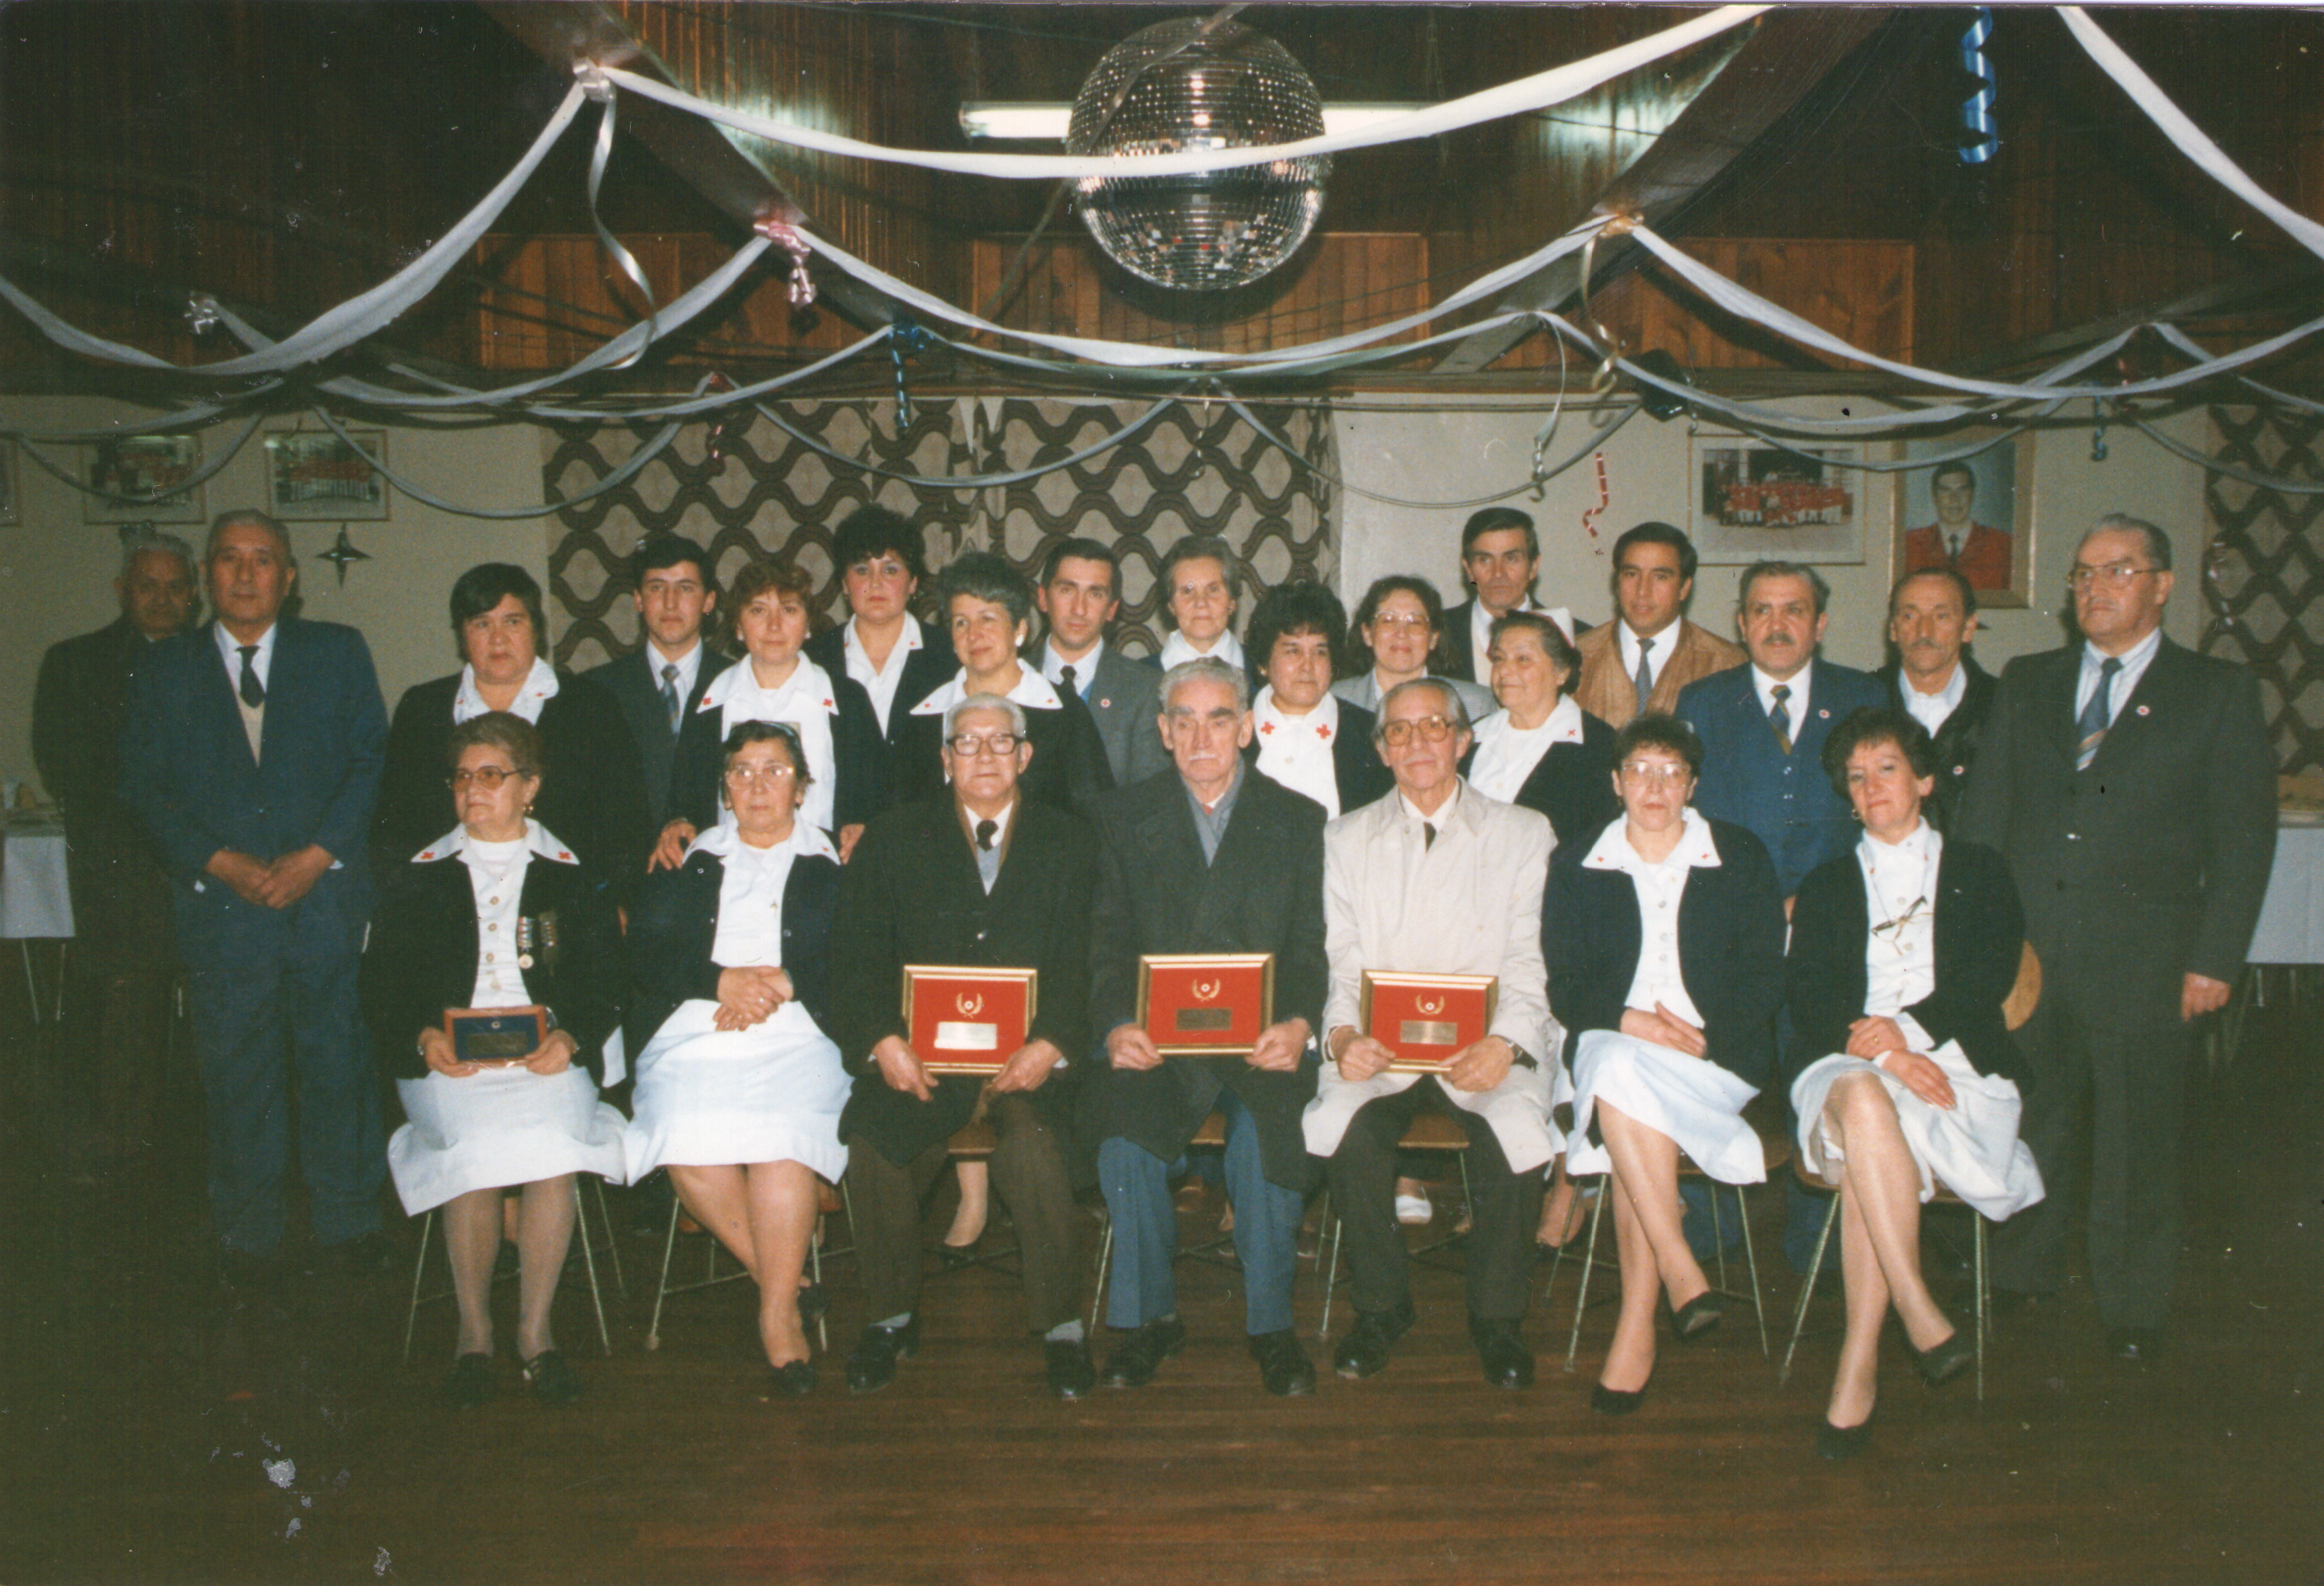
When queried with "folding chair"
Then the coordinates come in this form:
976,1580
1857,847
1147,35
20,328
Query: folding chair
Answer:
587,1243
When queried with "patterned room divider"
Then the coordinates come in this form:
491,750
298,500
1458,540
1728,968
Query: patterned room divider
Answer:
2263,572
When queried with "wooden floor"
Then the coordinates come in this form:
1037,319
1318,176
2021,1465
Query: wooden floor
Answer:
154,1428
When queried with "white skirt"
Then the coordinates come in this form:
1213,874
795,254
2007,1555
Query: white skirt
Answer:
497,1128
1973,1148
714,1098
1691,1101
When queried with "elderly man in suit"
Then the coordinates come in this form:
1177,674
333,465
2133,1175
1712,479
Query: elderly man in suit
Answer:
2129,783
1500,557
1641,661
252,757
1079,593
882,562
979,875
1436,879
1207,857
120,893
1932,618
660,683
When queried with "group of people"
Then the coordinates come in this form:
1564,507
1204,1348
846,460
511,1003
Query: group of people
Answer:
1694,871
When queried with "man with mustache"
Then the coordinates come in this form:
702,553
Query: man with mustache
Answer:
1932,618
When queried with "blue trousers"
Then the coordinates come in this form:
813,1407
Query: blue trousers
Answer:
1137,1185
256,1025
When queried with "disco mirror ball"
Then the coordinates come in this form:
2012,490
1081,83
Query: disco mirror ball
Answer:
1233,89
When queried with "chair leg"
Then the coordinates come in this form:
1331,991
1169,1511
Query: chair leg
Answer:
1983,1308
1330,1281
1589,1261
418,1265
1717,1234
814,1266
1807,1291
613,1244
1105,1261
1751,1265
661,1288
589,1264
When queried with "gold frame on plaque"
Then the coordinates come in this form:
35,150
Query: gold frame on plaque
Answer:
1489,983
1028,977
1148,961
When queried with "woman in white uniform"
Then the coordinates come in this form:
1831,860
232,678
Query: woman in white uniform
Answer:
738,1091
1664,934
1902,952
497,914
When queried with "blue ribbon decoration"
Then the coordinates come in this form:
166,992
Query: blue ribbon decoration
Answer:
1984,139
907,335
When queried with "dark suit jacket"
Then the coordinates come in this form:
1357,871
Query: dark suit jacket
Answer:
78,705
1572,784
675,924
1264,893
1456,651
592,797
635,683
1956,740
2151,863
187,774
1356,765
1981,936
1731,947
1123,699
425,947
860,793
1786,800
1068,770
925,669
911,894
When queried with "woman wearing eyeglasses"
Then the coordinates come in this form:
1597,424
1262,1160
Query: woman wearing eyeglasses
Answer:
1664,933
497,914
738,1091
1396,627
1903,954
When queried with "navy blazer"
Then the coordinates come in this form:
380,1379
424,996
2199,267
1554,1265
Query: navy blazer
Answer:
674,925
1786,800
635,683
1731,947
1356,766
188,774
859,791
1980,932
1123,699
1572,785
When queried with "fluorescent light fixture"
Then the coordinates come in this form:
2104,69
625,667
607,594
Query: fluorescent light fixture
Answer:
1022,121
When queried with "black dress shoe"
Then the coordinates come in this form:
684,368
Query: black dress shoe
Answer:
1698,1317
1364,1351
873,1365
471,1382
1283,1366
1616,1401
795,1378
551,1380
1508,1362
1070,1373
1141,1354
1844,1443
366,1255
2135,1346
1947,1358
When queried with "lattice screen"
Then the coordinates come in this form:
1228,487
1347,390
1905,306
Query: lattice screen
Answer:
1190,471
2265,568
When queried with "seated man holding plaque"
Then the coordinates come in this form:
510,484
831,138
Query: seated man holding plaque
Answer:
972,910
1432,915
1209,897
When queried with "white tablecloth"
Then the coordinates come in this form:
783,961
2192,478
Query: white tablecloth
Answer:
34,900
2292,920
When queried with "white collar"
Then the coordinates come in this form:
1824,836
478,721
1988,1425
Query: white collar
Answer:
230,648
1032,691
1324,721
1695,849
807,681
1084,666
1628,639
906,642
2093,658
724,842
1445,811
1920,845
539,687
1950,693
1561,725
1177,648
538,839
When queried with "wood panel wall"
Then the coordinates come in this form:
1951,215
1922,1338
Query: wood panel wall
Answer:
1860,291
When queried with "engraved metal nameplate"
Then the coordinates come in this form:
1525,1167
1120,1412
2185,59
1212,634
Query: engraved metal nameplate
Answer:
960,1035
1205,1019
1422,1032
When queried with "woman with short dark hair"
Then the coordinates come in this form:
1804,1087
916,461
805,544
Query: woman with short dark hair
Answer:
1540,749
1396,638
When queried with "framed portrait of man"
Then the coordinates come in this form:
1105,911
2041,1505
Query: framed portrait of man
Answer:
1973,513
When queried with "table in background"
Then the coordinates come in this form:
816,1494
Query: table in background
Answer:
35,900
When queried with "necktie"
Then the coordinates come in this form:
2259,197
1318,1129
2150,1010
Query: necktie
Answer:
985,831
1427,835
1645,681
2090,730
1781,719
669,694
1953,555
253,691
1066,676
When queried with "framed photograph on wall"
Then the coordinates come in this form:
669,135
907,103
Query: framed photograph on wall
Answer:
1753,500
1975,514
143,479
312,474
10,486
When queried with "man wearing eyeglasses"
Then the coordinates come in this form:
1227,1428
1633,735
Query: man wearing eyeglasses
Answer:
1436,879
2130,784
979,876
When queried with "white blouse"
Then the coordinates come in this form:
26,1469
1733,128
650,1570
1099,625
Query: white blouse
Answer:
804,701
1660,885
539,687
1296,750
496,876
1900,953
750,933
1506,754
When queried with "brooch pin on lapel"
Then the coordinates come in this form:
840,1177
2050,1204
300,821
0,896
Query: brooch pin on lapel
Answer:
2146,710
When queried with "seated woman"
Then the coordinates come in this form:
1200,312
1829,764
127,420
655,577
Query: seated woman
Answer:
832,718
738,1091
1540,751
1398,625
514,922
1664,934
1902,952
1306,737
602,816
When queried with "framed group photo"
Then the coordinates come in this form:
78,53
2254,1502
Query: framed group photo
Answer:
1974,513
313,475
143,479
1753,501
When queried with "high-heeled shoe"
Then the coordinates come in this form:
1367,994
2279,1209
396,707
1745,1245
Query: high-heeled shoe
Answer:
1619,1401
792,1378
1698,1317
1845,1443
1946,1359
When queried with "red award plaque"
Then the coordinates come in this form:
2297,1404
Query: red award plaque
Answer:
966,1020
1425,1018
1195,1004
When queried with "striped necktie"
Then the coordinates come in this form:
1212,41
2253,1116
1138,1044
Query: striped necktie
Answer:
1645,681
2090,728
669,696
1779,718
